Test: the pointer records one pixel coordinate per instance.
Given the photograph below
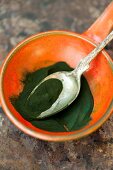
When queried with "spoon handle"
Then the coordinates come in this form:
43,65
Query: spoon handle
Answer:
84,63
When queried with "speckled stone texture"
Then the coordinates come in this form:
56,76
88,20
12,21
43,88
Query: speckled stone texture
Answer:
18,20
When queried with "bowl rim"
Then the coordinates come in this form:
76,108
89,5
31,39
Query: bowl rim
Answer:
39,135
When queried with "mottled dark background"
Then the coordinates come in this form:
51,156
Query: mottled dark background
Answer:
18,20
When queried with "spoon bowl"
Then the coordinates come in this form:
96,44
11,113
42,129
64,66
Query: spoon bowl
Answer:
71,88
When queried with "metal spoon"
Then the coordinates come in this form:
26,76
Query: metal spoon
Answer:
71,81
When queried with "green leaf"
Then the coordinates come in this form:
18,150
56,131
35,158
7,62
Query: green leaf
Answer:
49,125
30,81
76,116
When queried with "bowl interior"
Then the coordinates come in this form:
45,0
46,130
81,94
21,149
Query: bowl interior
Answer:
46,49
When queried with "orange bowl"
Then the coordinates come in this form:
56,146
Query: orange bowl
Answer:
48,48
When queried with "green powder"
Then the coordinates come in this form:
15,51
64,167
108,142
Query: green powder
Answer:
74,117
44,96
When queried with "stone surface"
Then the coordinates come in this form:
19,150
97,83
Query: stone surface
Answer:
18,20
